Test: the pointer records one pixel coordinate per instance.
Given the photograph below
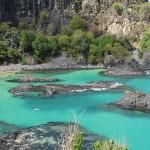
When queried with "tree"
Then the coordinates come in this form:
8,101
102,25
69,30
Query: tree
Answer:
64,42
3,28
81,42
95,56
43,48
107,45
43,17
53,42
77,23
11,37
13,56
3,52
26,39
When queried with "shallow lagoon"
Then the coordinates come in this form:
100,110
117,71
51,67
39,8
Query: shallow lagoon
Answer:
88,107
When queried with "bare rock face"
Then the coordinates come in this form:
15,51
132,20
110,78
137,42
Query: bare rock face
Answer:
60,12
145,61
90,7
135,101
125,27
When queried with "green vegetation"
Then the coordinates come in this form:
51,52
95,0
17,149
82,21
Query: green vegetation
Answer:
77,40
77,23
107,45
145,41
118,7
108,145
141,8
78,138
77,141
44,48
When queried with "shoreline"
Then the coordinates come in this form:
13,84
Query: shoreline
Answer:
15,68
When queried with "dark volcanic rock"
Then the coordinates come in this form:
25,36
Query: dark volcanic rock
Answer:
32,79
43,137
135,101
52,89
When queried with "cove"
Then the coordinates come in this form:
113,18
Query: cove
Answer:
89,107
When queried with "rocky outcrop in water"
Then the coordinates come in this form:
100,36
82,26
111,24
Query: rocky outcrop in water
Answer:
53,89
135,101
124,71
32,79
43,137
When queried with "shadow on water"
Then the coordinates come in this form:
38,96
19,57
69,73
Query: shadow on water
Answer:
74,101
7,128
114,110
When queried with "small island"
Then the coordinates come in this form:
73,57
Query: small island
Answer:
53,89
137,101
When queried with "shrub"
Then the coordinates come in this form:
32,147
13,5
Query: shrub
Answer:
77,141
26,39
95,55
118,7
43,17
64,42
108,145
3,52
145,41
145,7
81,42
107,45
53,42
77,23
13,56
43,48
4,27
11,38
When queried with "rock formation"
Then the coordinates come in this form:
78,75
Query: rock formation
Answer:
60,12
124,71
53,89
135,101
43,137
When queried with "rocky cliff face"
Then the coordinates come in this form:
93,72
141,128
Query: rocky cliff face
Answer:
59,12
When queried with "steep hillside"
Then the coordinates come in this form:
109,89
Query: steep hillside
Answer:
59,13
89,31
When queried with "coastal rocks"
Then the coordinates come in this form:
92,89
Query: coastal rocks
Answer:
53,89
135,101
57,64
43,137
123,71
32,79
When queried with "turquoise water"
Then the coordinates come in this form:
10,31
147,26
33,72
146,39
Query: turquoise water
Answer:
88,107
